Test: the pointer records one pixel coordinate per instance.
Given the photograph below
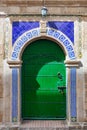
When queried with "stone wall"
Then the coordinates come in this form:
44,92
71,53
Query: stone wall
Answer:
84,44
56,7
1,67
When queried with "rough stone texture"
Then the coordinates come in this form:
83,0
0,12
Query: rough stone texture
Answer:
75,128
1,60
1,116
42,128
1,87
1,35
84,39
1,99
1,49
16,128
69,128
7,93
85,74
1,83
80,93
34,7
84,127
62,128
36,10
40,2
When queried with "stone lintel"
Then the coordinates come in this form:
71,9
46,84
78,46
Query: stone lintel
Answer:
14,64
73,63
46,3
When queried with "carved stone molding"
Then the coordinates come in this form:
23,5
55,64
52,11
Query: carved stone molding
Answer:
14,64
73,63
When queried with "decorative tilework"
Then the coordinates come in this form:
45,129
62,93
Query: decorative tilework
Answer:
72,54
18,28
65,27
63,39
73,94
66,43
28,35
14,94
25,31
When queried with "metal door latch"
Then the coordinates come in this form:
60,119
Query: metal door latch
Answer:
61,89
60,76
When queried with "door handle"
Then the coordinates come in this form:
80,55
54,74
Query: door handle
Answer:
60,76
61,89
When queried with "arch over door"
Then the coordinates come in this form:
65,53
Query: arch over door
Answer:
43,76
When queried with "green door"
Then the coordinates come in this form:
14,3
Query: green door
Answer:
43,81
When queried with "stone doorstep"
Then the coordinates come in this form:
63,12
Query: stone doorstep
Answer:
43,128
76,127
69,128
16,128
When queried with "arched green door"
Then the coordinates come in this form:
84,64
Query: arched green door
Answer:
43,81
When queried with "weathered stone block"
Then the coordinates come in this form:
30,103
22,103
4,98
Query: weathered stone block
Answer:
1,87
15,128
1,49
1,60
44,128
75,128
2,128
23,128
1,91
62,129
0,117
85,127
41,129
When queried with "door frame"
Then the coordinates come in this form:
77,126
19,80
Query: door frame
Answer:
15,64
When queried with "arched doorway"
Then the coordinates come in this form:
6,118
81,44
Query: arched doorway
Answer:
43,76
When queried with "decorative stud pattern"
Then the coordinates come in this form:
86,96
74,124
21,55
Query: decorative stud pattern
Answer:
63,39
14,95
65,27
73,94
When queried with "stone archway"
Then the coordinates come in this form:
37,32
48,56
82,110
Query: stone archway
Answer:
15,63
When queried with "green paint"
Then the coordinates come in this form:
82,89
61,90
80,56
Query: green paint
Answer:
41,98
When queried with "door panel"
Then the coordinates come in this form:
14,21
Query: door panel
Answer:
43,60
